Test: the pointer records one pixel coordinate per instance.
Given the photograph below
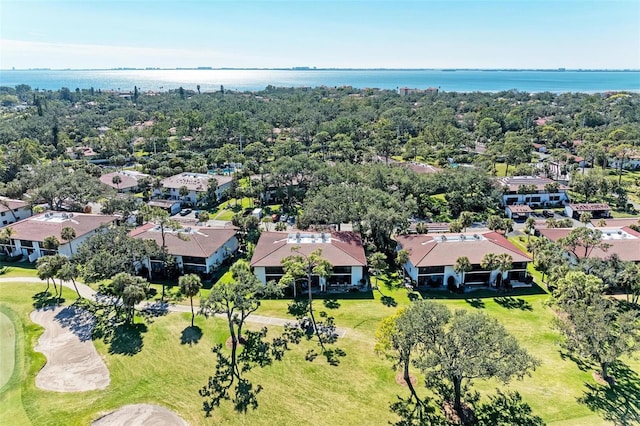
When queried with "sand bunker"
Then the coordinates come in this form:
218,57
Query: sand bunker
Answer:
141,415
73,364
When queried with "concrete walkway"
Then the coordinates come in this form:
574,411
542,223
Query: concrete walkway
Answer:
89,293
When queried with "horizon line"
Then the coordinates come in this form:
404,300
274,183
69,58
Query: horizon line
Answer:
205,68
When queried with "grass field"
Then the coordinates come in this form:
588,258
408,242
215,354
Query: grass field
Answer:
297,392
7,348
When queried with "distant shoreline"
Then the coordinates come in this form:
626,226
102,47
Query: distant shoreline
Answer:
330,69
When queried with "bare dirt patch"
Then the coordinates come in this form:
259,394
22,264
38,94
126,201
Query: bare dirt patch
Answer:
609,381
73,364
141,415
400,379
229,342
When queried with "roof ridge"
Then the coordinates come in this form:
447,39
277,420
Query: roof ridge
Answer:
428,251
509,246
345,252
276,247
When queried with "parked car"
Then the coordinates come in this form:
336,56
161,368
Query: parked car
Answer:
275,217
548,213
185,212
284,218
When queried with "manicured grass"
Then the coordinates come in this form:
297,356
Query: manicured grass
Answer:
296,392
7,348
17,269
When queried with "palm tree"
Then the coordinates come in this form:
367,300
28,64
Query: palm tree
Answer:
45,271
402,257
529,226
68,234
133,293
116,180
50,243
462,266
183,192
502,262
5,238
190,285
69,272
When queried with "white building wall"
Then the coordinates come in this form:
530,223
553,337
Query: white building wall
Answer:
356,275
544,198
412,271
260,272
6,218
227,249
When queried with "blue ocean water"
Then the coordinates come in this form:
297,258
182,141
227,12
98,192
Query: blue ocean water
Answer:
255,80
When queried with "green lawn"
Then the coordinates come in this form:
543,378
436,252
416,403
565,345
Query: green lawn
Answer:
296,392
17,269
7,348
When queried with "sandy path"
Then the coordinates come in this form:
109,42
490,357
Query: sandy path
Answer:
73,364
140,415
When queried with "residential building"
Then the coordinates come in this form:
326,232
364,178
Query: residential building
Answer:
343,250
129,180
12,211
534,191
170,206
621,241
196,249
518,211
432,258
196,185
631,163
29,234
597,210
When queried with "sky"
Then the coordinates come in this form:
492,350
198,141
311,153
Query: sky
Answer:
585,34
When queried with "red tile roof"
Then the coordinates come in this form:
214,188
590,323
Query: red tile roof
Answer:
37,228
127,181
444,249
517,208
589,207
192,241
627,248
341,248
194,181
12,204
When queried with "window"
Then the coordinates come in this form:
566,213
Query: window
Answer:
341,270
274,270
194,260
427,270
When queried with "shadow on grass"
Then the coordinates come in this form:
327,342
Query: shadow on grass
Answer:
618,403
481,293
44,300
154,310
513,303
333,356
475,303
331,303
191,335
583,366
127,339
388,301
